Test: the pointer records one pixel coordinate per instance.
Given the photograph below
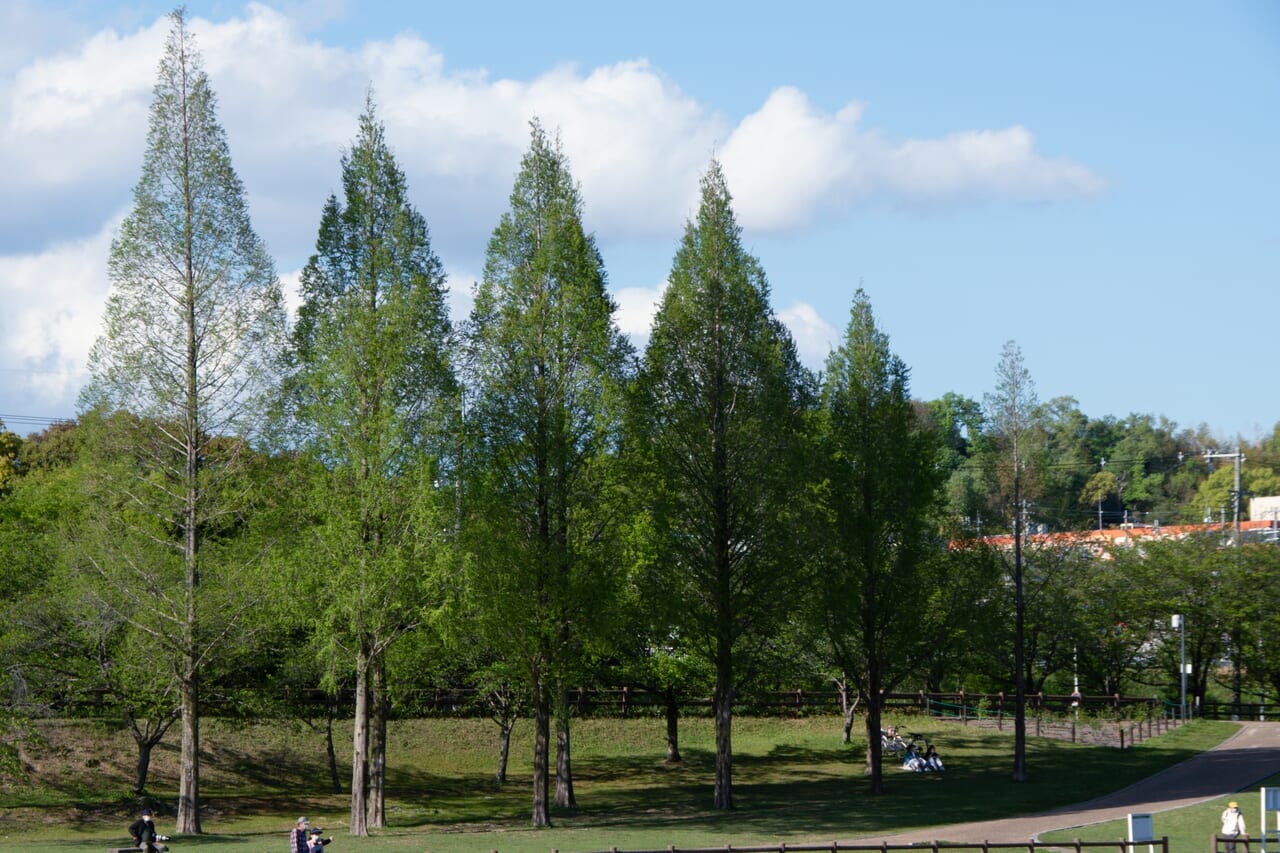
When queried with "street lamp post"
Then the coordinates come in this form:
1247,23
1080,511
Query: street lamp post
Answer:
1182,660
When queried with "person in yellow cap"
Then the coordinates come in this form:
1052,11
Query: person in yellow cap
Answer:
1232,825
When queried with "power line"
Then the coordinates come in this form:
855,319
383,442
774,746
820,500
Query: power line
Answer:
44,371
31,420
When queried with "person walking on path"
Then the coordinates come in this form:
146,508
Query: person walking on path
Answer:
298,842
316,845
1232,825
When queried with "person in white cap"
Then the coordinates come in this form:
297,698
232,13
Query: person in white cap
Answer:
298,838
1232,825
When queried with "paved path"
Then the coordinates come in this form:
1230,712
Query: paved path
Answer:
1244,759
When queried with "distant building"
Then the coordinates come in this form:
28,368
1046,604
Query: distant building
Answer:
1265,509
1127,535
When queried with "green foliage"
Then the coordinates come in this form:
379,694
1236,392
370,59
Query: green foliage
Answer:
192,330
881,477
193,289
716,425
373,397
372,394
546,370
1197,578
10,447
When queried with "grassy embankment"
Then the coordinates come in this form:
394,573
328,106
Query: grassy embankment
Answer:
793,781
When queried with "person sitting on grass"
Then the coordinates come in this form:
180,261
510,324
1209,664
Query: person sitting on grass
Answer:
911,759
932,761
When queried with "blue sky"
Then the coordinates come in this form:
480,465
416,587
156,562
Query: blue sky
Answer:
1097,181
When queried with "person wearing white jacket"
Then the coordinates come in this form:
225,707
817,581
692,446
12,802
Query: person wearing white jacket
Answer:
1232,825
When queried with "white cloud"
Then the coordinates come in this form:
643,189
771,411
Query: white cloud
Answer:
75,122
788,163
815,338
53,303
291,290
460,298
73,126
75,114
636,309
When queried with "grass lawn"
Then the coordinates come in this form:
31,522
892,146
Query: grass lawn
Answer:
793,781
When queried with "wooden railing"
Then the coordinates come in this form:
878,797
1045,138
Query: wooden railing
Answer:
1161,844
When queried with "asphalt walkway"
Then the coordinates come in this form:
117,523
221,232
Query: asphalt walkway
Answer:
1246,758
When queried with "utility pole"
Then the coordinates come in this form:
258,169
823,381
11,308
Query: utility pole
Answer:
1102,464
1181,625
1238,458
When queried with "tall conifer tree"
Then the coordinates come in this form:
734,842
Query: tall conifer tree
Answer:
192,318
374,396
716,421
546,369
881,480
1015,415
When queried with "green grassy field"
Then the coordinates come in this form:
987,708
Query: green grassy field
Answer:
793,781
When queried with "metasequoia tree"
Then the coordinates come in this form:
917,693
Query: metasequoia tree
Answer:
373,395
880,483
546,367
1013,413
189,329
716,426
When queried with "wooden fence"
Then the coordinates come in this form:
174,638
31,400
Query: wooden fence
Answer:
1161,844
634,701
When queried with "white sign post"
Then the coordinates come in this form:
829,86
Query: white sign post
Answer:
1270,802
1141,829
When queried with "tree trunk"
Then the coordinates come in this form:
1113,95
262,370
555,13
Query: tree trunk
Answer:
330,712
142,768
724,740
146,738
874,746
564,766
673,727
1019,643
188,821
360,745
378,744
503,712
505,725
847,707
541,747
871,642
